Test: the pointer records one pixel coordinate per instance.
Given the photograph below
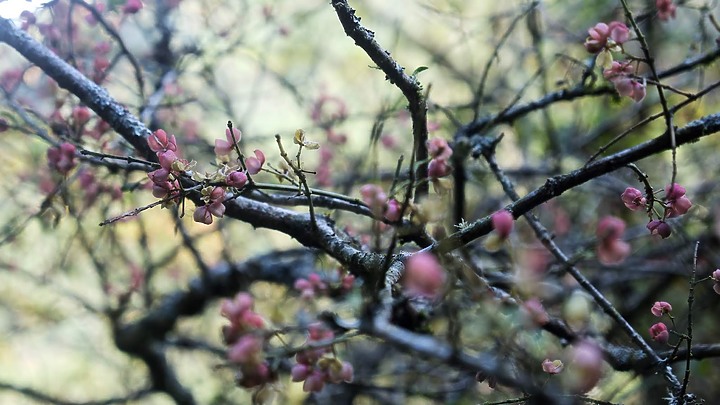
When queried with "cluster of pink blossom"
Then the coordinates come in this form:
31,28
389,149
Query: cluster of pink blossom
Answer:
620,75
659,331
439,152
611,249
317,369
245,340
314,285
606,38
424,276
375,198
166,179
674,204
214,198
62,158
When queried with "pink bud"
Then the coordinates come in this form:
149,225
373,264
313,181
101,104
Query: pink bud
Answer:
660,308
657,227
438,168
659,333
236,179
438,148
300,372
423,275
314,382
203,215
392,210
502,222
132,6
81,115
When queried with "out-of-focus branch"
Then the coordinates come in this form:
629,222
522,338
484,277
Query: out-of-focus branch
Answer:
48,398
94,96
409,85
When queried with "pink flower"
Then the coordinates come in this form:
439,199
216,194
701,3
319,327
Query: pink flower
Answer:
374,197
300,372
132,6
160,142
586,365
225,147
246,350
676,203
659,333
630,88
314,382
618,70
665,9
438,148
716,278
203,215
393,210
62,158
438,168
254,164
423,275
660,308
80,115
167,158
611,249
552,366
657,227
339,372
502,222
236,179
606,36
633,199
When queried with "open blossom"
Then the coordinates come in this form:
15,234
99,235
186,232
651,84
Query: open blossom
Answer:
633,199
159,141
606,36
716,278
225,147
254,164
438,148
552,366
214,207
627,87
660,308
236,179
659,333
676,203
665,9
423,275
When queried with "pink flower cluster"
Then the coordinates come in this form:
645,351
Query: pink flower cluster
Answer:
619,74
375,198
62,158
314,367
423,277
675,204
214,196
165,180
245,343
611,249
439,152
609,37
